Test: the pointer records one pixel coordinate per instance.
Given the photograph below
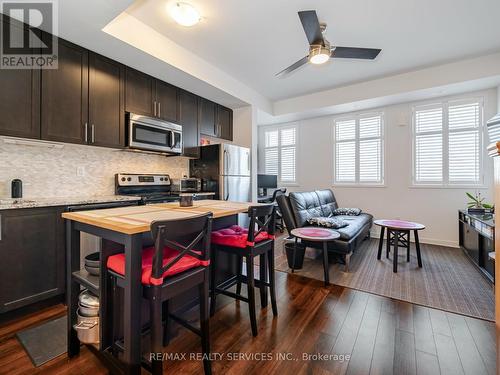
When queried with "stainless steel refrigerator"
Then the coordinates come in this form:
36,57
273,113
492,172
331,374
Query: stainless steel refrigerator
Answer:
224,169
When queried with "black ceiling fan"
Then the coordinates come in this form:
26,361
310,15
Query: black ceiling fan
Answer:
320,50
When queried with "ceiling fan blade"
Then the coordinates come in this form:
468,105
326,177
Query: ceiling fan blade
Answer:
355,53
310,23
294,66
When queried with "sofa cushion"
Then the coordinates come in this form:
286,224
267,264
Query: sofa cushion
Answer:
305,206
327,202
329,222
355,224
347,211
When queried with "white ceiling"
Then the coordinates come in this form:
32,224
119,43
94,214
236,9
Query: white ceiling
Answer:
253,40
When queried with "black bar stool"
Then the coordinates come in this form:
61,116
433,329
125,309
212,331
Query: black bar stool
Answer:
173,266
258,240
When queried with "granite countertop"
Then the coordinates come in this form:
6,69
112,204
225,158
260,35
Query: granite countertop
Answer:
13,203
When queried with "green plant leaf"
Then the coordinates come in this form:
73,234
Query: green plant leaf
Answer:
471,196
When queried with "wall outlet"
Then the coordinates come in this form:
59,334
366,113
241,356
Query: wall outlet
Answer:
80,171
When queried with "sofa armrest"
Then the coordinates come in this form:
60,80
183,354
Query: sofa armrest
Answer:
286,212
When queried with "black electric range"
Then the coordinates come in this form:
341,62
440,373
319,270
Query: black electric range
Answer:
152,188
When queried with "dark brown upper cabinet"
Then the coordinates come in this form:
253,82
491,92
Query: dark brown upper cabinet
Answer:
64,108
19,99
139,93
20,103
166,101
106,102
148,96
224,123
207,117
188,118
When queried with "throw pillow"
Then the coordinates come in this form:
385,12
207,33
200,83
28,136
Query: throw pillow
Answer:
347,211
329,222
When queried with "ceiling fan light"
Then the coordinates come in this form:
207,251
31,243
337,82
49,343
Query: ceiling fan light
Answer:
319,55
185,14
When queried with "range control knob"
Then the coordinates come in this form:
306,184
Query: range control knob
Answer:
129,179
123,178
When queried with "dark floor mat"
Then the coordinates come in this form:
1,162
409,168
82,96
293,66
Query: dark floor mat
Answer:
46,341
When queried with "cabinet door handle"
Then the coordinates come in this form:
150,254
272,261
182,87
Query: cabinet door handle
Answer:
154,109
86,133
93,133
159,109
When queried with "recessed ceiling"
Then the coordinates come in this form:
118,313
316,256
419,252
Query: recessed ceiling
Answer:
253,40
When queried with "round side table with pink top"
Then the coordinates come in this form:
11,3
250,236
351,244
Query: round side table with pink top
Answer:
398,234
319,235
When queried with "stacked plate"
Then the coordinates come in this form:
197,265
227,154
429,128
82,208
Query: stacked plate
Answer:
92,263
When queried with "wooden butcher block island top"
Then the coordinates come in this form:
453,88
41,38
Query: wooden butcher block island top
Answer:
138,219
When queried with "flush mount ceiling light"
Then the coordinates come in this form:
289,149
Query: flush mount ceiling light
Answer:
184,14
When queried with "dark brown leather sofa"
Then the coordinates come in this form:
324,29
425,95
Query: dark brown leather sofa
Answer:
298,207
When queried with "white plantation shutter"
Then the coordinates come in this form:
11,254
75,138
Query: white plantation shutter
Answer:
370,160
359,150
464,122
345,164
429,158
288,164
447,143
345,130
271,152
280,153
271,161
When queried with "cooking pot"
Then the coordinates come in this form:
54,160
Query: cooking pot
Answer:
87,328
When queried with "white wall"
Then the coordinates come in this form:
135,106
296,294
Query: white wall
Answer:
434,207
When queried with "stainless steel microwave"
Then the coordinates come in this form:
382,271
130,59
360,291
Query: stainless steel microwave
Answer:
186,185
151,134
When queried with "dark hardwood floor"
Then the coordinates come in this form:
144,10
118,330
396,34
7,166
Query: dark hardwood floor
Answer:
368,334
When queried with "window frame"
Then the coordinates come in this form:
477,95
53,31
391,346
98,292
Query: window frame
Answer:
357,140
445,104
279,147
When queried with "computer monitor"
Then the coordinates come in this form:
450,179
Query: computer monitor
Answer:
267,181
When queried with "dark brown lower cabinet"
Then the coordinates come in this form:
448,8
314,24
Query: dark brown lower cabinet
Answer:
32,256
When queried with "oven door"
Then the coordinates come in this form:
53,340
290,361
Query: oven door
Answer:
149,137
148,133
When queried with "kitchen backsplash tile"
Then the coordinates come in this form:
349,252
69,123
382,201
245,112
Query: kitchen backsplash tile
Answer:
53,172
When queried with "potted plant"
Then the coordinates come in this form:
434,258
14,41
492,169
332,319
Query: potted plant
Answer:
476,204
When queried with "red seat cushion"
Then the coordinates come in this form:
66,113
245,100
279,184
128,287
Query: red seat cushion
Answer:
117,264
236,236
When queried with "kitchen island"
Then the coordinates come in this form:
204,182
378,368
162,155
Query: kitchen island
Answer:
126,229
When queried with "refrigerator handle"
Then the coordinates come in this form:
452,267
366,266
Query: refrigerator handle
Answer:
226,161
248,162
226,198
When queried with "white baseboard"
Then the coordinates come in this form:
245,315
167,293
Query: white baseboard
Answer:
431,241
